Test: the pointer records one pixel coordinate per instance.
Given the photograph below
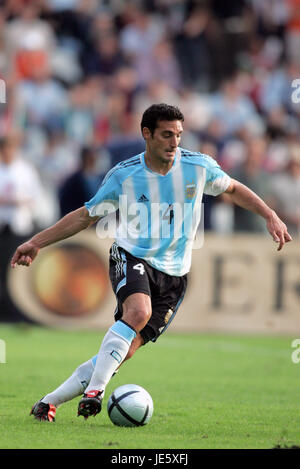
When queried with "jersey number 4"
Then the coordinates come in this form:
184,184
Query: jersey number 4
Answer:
139,267
169,214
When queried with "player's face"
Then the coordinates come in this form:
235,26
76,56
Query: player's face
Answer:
162,145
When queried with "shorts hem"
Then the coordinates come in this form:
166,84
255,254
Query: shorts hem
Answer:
128,292
146,338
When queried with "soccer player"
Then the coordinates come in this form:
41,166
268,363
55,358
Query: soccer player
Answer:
151,255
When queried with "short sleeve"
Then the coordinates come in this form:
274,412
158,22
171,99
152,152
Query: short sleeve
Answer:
217,181
106,200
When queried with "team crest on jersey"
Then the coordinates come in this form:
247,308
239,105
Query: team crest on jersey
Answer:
190,190
168,316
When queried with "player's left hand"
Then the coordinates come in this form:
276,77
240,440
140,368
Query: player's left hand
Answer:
278,230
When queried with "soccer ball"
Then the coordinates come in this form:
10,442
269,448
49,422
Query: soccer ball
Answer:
130,405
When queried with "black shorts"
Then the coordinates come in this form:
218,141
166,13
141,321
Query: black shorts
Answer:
129,274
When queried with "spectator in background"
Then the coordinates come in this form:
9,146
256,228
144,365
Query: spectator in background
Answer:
28,40
252,174
285,191
60,159
126,81
79,122
105,58
275,94
161,64
293,31
81,185
41,101
192,49
271,17
142,33
233,109
20,190
196,108
157,91
208,147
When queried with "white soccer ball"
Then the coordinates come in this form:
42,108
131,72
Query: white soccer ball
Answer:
130,405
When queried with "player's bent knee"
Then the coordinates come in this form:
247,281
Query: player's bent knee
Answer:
140,318
137,310
137,318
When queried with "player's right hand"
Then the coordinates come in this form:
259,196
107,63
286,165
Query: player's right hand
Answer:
25,254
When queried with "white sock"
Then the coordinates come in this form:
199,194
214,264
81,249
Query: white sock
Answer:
113,350
74,386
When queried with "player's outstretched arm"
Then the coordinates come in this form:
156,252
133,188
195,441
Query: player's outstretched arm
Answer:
241,195
67,226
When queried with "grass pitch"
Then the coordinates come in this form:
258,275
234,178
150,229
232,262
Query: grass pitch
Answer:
209,391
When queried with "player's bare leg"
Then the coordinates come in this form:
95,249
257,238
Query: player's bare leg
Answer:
137,342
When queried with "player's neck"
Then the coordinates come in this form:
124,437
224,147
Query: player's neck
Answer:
156,165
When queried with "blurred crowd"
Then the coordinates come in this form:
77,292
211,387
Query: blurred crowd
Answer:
78,75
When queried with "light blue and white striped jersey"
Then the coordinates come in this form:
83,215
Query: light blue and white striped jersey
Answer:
159,214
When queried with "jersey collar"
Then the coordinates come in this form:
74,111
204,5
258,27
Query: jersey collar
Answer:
175,163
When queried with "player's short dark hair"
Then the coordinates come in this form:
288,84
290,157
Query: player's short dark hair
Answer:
160,112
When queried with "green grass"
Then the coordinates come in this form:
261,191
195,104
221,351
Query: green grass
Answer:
209,391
